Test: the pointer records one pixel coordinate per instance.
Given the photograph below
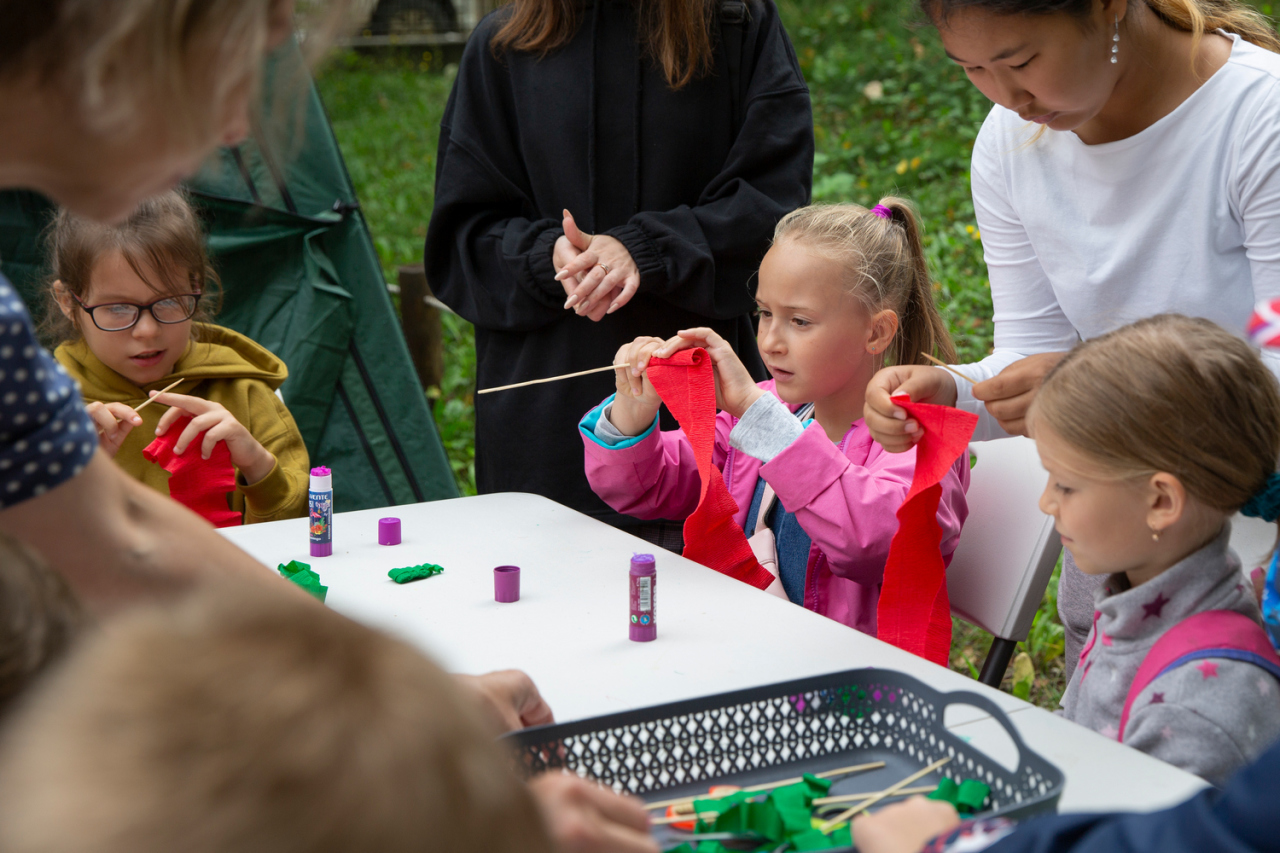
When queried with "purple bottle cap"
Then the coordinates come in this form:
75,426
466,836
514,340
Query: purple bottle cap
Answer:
643,563
506,584
388,531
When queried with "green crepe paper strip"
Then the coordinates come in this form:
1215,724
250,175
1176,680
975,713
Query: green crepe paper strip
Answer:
967,797
413,573
818,787
794,804
719,805
947,791
785,814
972,795
813,839
303,576
760,818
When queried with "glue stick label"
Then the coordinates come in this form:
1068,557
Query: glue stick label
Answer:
642,612
321,506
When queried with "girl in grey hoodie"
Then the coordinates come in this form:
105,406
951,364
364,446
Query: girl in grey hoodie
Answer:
1154,436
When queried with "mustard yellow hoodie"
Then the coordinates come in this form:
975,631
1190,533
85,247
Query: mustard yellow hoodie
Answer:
224,367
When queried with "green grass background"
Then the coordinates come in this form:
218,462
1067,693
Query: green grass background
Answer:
892,116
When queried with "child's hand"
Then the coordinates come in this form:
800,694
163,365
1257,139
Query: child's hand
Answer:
735,389
584,817
637,401
114,422
217,424
887,422
903,827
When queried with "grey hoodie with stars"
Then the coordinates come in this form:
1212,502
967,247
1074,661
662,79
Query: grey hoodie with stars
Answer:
1209,717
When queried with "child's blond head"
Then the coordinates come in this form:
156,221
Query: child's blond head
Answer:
39,619
884,267
1169,394
162,241
257,721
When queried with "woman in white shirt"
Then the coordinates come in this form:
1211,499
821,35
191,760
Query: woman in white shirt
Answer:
1129,167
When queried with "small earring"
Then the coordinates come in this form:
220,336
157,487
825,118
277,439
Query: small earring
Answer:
1115,43
1155,535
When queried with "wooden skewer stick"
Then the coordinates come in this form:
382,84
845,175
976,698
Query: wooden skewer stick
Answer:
826,774
887,792
681,818
150,400
946,366
853,798
554,378
845,798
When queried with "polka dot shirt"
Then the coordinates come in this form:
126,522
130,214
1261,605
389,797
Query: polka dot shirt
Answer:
46,437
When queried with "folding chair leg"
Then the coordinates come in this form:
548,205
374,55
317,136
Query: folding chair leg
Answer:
997,661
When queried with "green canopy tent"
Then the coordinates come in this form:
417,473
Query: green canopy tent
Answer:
300,276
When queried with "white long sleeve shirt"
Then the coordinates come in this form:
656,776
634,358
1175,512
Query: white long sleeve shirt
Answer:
1182,217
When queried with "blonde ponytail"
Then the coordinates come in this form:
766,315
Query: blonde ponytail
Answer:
920,326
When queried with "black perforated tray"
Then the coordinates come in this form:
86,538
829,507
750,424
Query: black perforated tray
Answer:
781,730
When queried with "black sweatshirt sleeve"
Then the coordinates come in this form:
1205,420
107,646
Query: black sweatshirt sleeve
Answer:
698,257
488,254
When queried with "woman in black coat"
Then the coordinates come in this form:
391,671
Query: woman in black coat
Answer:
677,132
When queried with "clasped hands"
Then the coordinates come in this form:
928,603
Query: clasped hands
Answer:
637,401
596,270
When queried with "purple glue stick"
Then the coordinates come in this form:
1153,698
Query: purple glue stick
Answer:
320,502
644,580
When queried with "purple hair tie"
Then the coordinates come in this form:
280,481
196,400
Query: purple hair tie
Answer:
882,211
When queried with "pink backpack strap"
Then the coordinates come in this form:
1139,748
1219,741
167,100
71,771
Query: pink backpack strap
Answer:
1211,634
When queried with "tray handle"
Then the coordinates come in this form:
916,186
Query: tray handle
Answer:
977,700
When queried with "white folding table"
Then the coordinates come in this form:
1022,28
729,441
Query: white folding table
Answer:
569,628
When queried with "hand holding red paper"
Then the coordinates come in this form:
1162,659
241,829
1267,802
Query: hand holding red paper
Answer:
114,422
889,422
735,389
201,485
637,401
217,424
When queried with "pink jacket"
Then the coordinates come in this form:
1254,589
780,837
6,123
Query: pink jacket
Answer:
845,497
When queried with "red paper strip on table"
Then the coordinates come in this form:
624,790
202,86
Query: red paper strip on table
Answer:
686,384
914,612
201,485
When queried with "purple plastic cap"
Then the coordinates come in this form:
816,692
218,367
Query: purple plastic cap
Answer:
388,531
322,549
506,584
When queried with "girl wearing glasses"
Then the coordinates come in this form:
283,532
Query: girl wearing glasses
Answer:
130,305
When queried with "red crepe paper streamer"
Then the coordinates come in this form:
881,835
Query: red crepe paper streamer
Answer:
914,612
711,536
201,485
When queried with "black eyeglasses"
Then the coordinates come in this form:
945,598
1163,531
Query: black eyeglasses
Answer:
118,316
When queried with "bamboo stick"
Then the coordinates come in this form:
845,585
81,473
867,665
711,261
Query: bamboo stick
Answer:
150,400
554,378
851,798
887,792
827,774
946,366
844,798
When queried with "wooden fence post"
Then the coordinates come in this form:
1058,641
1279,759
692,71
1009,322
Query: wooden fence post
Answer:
420,322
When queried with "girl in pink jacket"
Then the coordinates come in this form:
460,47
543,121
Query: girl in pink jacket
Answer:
842,290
